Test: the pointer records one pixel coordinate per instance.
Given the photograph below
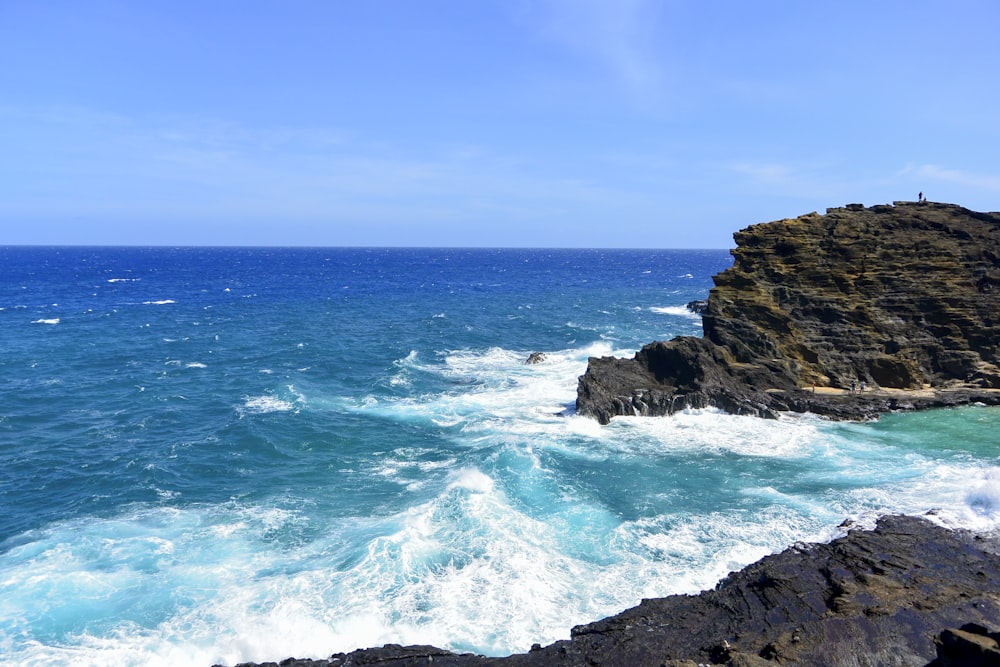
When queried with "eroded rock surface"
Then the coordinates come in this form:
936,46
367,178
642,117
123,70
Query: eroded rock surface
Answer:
905,298
876,598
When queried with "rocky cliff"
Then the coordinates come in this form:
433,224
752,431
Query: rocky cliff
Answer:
907,593
905,298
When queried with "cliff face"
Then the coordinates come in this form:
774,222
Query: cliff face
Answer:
902,297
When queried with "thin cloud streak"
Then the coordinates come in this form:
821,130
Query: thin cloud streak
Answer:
618,34
311,173
956,176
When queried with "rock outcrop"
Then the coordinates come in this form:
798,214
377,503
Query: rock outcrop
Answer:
908,593
904,298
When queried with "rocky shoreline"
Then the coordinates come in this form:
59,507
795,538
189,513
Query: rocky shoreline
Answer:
848,315
908,592
903,300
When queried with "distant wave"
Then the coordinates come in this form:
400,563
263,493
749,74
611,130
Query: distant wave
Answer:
54,320
158,303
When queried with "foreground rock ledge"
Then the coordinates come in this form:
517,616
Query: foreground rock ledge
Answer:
905,298
906,593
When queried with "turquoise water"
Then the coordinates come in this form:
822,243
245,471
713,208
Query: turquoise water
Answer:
218,455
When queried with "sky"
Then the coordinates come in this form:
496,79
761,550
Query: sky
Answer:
484,123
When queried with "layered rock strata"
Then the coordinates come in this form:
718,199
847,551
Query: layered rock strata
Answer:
904,298
908,593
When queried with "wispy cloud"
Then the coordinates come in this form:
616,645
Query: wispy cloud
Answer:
957,176
107,164
809,180
619,34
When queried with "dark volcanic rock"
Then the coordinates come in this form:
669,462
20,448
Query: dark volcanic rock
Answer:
972,645
890,596
905,298
697,306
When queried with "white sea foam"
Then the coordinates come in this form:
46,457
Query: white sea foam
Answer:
195,364
983,496
196,582
490,574
679,311
472,480
719,543
711,430
161,302
124,280
467,569
500,393
51,320
265,404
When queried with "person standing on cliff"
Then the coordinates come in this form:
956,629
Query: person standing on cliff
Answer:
854,386
920,198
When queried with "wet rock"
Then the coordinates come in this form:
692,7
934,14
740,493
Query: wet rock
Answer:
535,358
904,298
697,306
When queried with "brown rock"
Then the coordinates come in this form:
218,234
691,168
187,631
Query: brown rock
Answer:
972,645
903,297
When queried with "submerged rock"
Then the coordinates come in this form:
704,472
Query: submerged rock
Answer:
902,301
889,596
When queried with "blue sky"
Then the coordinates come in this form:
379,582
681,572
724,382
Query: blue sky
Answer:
549,123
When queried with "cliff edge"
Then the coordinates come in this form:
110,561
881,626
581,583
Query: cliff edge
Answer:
903,298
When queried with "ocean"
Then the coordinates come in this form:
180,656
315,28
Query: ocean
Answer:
214,455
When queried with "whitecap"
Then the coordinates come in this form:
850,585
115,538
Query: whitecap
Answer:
680,311
53,320
161,302
196,364
471,479
408,360
265,404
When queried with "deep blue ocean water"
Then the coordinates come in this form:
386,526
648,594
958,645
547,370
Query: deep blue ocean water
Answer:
220,455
